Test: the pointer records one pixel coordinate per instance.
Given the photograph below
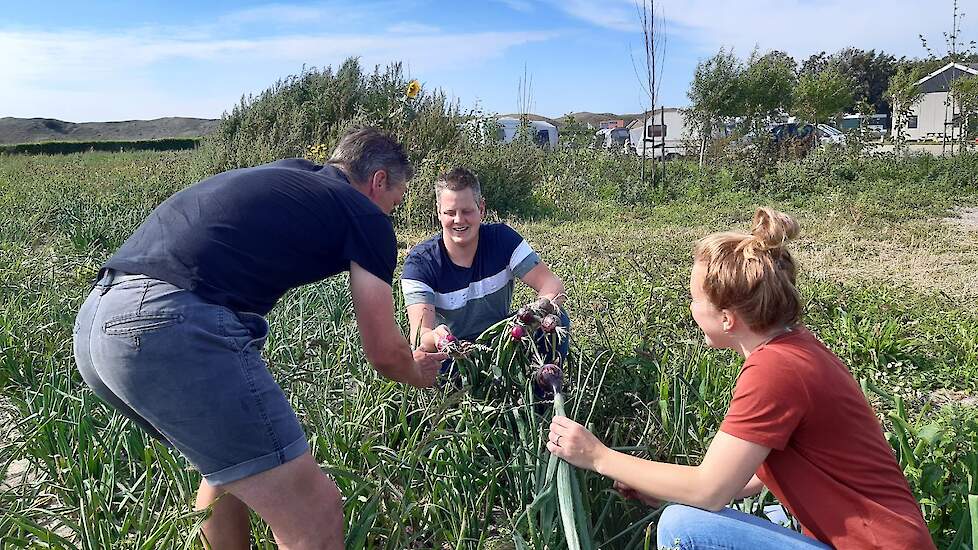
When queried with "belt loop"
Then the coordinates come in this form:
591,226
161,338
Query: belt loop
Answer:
106,281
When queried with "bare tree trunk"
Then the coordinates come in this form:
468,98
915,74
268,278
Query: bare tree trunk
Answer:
703,134
645,129
662,128
653,43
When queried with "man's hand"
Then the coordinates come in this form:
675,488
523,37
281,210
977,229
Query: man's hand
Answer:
572,442
426,367
628,492
383,343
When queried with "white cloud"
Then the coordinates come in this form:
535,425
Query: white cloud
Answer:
799,27
524,6
275,13
617,15
93,75
409,27
332,14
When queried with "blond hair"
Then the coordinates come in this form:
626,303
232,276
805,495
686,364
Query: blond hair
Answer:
754,274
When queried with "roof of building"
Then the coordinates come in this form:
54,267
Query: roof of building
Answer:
933,82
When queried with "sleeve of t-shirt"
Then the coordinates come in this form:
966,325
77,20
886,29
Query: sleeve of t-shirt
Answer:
768,404
371,243
416,280
522,257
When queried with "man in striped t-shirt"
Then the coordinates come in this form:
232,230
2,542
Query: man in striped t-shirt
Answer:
461,281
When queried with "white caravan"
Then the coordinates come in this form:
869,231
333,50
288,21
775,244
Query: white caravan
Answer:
543,133
669,123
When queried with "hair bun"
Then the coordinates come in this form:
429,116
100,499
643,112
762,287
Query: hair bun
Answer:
773,229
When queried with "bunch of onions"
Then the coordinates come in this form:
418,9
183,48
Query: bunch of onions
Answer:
549,323
445,342
549,379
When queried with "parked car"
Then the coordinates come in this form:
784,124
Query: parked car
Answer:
794,138
613,138
830,134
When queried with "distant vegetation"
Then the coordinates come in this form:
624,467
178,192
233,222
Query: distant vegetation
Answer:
64,147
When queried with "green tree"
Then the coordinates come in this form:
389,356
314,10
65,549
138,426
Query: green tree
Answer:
575,133
904,94
316,106
714,95
870,72
965,93
820,96
765,86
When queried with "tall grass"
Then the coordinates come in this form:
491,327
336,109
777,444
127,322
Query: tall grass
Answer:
438,469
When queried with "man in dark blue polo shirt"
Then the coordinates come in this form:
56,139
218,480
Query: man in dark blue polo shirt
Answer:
172,332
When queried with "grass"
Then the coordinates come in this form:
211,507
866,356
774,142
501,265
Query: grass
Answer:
888,285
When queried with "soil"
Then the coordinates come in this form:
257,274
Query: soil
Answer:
967,218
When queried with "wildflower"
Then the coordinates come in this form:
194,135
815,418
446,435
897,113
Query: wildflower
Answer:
413,89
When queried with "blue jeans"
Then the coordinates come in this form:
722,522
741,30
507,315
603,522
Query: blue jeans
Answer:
189,373
686,528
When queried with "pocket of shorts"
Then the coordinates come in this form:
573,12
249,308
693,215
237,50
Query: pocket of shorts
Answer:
132,324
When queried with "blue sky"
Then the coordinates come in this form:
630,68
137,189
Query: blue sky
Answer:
115,60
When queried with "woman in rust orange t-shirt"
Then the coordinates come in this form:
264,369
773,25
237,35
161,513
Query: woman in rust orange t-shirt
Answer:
798,422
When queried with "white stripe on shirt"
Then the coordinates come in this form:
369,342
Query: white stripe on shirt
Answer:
458,299
522,251
411,286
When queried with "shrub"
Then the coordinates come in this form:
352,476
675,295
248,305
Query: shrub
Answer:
315,107
508,174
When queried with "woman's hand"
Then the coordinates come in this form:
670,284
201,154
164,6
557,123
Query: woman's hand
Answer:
573,443
628,492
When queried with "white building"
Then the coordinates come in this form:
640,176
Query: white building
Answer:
935,115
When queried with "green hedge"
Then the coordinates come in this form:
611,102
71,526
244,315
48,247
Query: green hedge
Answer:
65,147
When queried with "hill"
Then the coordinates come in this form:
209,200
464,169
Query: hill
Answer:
583,116
30,130
594,118
532,116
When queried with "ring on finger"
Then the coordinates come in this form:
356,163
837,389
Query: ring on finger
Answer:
557,442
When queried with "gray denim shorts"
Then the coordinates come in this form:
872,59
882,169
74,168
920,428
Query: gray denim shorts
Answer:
189,372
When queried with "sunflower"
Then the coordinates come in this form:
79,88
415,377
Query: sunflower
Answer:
413,89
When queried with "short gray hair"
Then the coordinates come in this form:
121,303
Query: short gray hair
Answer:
458,179
364,151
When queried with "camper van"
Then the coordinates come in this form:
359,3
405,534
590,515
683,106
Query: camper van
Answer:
663,134
876,123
